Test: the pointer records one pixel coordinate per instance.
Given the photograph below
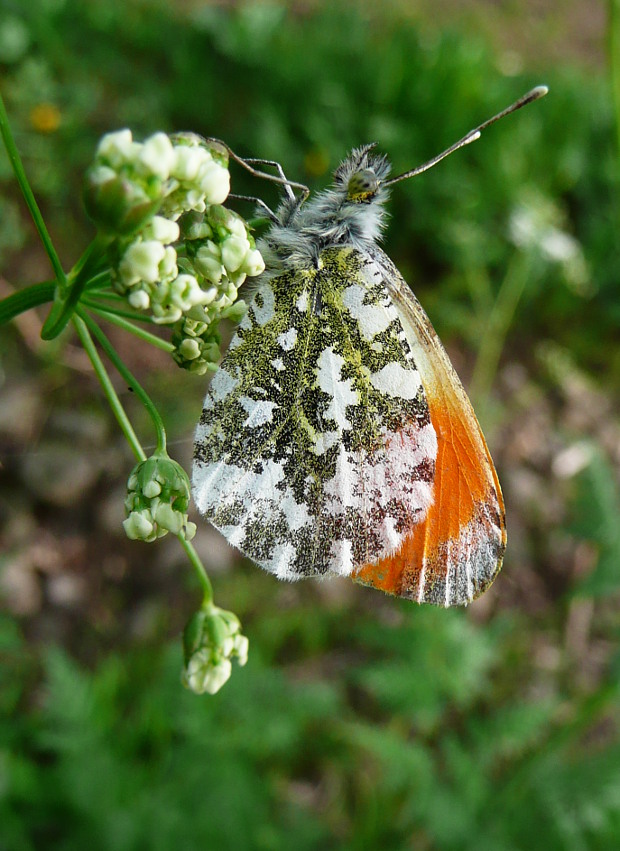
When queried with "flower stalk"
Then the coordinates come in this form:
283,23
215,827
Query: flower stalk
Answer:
104,379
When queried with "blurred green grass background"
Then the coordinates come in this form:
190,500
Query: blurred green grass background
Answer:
360,722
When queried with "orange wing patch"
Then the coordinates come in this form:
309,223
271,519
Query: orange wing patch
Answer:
454,554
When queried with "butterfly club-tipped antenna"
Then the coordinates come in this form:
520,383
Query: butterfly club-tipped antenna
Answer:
281,179
529,97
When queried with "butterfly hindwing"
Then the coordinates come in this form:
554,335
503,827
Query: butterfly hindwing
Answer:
315,452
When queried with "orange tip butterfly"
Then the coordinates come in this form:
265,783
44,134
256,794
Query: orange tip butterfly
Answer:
336,437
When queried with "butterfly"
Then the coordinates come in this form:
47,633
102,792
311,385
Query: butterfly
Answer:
336,437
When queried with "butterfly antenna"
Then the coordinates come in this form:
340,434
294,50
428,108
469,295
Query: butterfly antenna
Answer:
286,182
281,179
259,203
534,94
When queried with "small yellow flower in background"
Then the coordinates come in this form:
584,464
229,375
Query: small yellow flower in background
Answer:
45,117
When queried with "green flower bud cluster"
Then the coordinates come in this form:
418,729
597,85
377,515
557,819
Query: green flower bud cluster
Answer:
220,252
197,343
212,638
158,495
139,193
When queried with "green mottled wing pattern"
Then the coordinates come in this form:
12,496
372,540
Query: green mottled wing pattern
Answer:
315,453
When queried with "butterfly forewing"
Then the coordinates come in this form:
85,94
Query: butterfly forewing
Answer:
315,452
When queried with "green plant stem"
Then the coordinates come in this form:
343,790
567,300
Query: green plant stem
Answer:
63,308
101,278
24,185
205,582
108,295
479,286
88,266
67,298
497,326
95,302
110,351
104,379
119,320
26,298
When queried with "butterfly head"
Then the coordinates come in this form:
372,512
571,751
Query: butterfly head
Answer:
361,176
349,213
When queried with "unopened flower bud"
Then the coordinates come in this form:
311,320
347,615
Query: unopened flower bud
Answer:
187,162
196,345
214,181
161,229
139,525
234,250
141,262
157,500
139,299
202,676
117,148
156,156
253,263
211,639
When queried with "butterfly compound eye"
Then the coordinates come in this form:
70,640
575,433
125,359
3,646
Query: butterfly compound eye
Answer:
362,185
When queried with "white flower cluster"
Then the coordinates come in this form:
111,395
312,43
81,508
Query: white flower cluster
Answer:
183,172
197,342
221,253
222,249
211,639
140,192
148,274
199,175
158,495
